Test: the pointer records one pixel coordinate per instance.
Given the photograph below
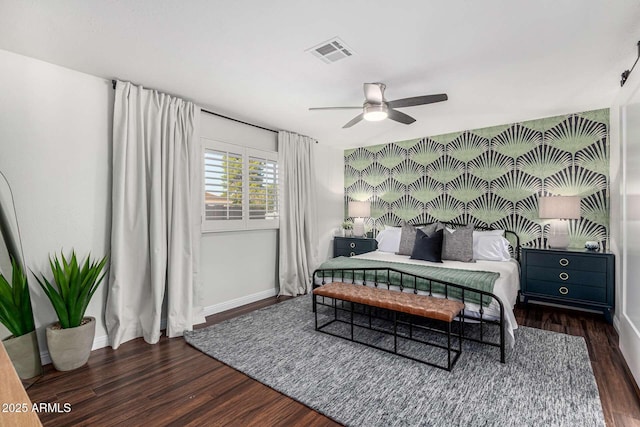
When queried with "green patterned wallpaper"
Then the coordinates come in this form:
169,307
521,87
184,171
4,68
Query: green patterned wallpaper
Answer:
490,176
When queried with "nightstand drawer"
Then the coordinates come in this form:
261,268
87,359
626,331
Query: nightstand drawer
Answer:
563,275
554,289
573,262
350,246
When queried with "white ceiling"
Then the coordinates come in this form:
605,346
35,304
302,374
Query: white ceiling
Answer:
500,61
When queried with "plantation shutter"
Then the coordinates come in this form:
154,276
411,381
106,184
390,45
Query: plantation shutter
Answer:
240,188
223,186
263,188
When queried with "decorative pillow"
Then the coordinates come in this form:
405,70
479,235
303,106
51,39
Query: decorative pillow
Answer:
491,248
389,239
408,239
477,233
428,247
458,244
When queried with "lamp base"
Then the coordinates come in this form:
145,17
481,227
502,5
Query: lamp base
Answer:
358,227
558,236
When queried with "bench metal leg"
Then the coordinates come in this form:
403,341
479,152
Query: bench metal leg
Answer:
315,309
449,346
351,304
395,332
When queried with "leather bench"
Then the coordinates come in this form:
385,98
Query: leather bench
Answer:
440,309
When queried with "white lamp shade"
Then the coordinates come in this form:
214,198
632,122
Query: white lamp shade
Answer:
359,209
559,207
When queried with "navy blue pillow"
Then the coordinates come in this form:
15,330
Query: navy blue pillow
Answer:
428,247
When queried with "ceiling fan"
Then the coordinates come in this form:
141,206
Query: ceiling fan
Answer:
376,107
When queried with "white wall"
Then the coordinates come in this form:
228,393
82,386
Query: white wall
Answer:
237,267
329,164
55,133
625,221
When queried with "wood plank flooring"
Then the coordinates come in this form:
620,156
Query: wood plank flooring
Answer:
173,384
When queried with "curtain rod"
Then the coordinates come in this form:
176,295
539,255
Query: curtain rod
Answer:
222,116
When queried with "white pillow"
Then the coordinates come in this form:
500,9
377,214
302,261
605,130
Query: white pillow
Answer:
491,248
389,239
478,233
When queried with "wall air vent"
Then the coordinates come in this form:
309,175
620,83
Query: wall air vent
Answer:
331,51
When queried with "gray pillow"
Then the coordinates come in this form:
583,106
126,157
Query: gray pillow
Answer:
458,245
408,237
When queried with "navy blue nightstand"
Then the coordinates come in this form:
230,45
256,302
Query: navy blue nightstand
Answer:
576,278
350,246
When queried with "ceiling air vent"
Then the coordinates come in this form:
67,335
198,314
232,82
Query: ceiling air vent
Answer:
331,51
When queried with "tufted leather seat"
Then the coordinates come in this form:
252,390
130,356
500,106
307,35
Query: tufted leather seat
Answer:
410,303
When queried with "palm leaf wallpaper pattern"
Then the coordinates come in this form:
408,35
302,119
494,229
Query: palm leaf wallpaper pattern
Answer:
490,177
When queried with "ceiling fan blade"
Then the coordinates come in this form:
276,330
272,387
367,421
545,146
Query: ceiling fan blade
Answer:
417,100
374,92
353,121
335,108
400,117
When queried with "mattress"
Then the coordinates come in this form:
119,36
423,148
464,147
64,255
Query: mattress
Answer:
505,289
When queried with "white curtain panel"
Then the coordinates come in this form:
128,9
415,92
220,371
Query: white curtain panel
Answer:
154,236
298,216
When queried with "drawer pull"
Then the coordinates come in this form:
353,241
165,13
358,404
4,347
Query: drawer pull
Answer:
563,290
564,262
352,245
352,253
564,276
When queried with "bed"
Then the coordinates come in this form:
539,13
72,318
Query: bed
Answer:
484,305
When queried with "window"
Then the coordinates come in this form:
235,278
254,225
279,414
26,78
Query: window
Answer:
240,188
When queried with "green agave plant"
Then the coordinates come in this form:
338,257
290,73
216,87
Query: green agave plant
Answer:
75,286
15,302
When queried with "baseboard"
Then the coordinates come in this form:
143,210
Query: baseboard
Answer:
237,302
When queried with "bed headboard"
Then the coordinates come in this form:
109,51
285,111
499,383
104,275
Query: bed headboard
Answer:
511,236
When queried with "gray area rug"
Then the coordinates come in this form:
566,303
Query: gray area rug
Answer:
547,380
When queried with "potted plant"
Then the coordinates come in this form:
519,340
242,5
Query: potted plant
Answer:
347,226
71,338
17,316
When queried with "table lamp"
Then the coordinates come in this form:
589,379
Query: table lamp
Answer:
558,208
358,211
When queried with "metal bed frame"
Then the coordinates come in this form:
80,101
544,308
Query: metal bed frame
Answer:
384,280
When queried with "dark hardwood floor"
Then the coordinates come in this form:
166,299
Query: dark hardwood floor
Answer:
173,384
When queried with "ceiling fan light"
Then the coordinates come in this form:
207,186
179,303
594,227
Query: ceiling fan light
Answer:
375,113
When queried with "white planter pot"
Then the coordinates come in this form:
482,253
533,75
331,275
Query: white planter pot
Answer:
70,348
24,354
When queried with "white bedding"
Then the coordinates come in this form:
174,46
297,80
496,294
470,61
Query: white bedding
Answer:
506,286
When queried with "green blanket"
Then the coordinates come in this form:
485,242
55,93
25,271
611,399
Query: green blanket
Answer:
480,280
